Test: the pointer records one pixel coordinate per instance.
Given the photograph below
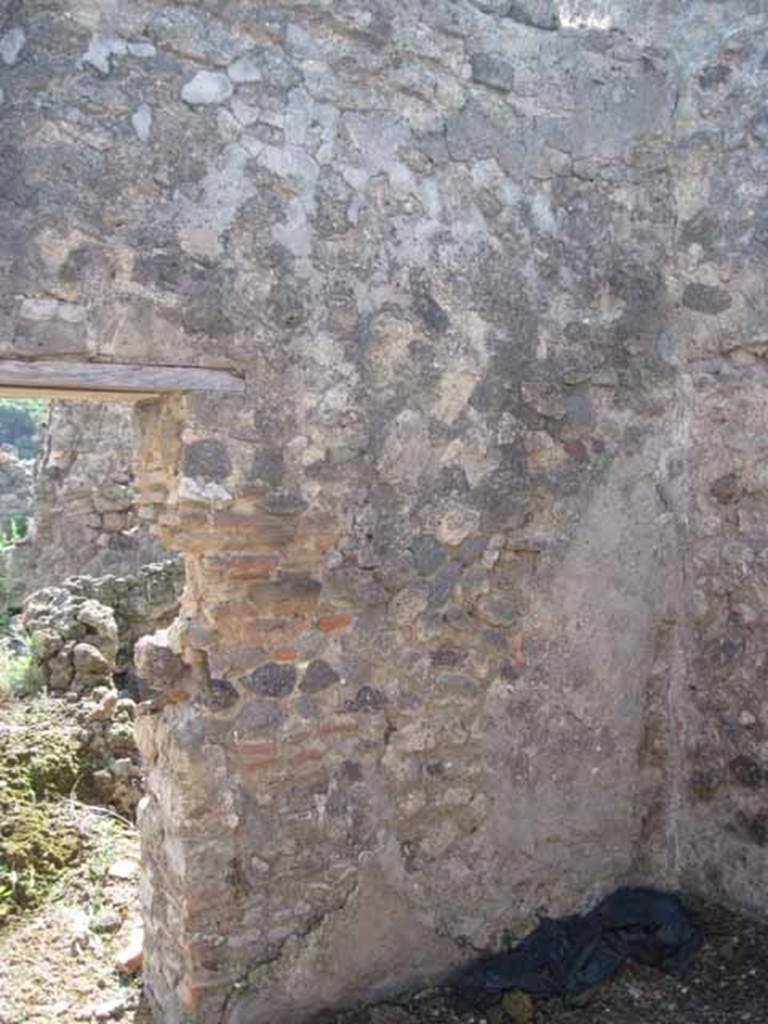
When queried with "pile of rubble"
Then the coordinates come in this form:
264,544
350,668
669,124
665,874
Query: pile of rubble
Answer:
81,637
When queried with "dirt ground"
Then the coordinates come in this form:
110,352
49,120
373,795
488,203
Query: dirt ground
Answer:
726,984
57,962
57,966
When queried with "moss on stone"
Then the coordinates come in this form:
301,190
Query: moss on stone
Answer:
39,764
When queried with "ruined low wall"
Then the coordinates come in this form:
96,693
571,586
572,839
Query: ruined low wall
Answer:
82,636
111,613
456,574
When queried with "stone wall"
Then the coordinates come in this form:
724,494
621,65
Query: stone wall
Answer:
85,517
434,666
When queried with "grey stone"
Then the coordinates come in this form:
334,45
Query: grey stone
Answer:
258,716
758,126
428,554
546,398
90,661
714,75
472,550
284,503
457,682
268,465
207,88
107,921
706,298
537,13
11,44
493,71
498,611
206,460
442,585
141,119
246,69
102,47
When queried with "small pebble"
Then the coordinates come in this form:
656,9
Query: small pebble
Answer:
107,921
123,869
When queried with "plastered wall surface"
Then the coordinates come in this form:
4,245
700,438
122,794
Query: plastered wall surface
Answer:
470,612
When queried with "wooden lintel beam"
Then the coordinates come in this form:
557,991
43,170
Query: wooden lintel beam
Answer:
119,381
74,395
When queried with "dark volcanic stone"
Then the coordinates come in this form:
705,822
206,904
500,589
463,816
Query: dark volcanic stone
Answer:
725,489
220,695
274,679
706,298
367,698
206,460
319,676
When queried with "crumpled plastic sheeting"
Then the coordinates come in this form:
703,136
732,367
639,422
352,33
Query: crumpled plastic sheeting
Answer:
568,955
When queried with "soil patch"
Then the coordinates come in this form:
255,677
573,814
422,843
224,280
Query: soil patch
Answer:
726,984
57,963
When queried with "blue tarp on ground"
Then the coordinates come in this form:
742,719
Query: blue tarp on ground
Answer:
568,955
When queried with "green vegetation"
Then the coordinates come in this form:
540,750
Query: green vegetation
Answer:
20,419
16,531
20,675
39,766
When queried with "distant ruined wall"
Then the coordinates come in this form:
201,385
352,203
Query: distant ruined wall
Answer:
15,491
473,616
84,508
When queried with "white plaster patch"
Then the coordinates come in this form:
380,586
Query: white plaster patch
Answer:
51,309
212,492
225,189
11,44
599,16
141,119
207,88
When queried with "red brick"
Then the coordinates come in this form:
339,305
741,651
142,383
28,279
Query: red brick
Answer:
330,622
285,654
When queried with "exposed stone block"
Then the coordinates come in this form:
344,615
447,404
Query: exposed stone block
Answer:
318,675
272,680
